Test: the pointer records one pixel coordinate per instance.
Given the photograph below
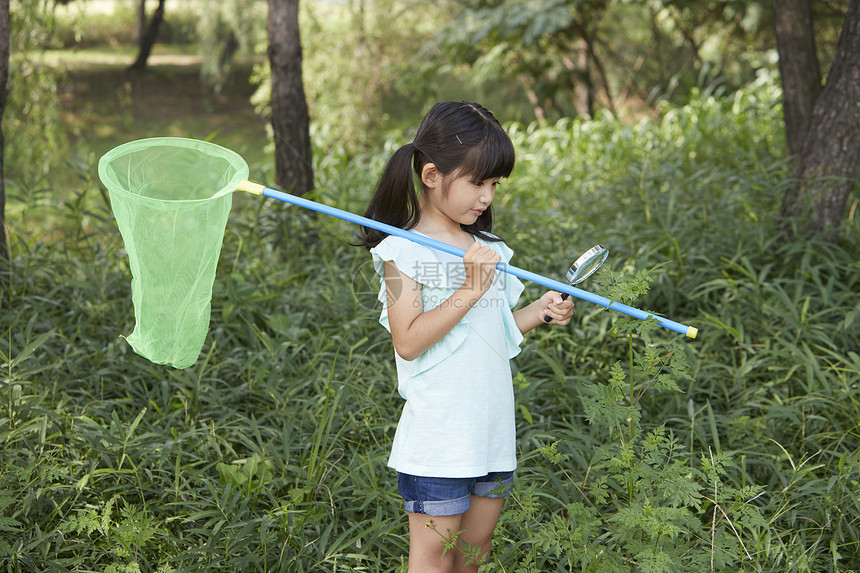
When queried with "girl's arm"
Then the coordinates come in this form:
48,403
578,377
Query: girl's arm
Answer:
551,305
413,330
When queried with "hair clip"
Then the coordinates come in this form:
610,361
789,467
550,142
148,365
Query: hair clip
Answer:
458,139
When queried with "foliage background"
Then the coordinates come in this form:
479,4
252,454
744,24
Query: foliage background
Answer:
742,449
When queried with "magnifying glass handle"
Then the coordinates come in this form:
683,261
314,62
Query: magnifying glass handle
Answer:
564,296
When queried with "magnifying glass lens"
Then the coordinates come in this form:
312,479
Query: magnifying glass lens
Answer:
587,264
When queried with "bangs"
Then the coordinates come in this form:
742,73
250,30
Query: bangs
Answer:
493,157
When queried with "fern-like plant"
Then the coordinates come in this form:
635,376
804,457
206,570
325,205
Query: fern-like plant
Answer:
645,503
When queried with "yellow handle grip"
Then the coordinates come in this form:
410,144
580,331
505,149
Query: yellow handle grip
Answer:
250,187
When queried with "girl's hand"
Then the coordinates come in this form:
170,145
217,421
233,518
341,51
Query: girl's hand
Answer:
480,262
555,310
550,308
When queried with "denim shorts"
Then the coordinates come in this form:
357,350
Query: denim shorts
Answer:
438,497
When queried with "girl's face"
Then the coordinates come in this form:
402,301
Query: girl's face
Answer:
461,198
471,197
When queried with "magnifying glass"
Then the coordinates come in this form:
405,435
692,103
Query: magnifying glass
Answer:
583,267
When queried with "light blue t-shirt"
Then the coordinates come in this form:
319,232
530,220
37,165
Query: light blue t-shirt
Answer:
458,420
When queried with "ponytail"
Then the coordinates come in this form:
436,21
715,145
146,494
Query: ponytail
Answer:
395,201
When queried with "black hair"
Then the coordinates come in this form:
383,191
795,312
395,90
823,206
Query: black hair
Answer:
454,136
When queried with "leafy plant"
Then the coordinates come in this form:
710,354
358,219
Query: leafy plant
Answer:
117,539
645,504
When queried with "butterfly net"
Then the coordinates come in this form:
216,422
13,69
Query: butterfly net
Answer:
171,198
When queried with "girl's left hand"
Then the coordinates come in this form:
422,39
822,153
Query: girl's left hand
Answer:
555,309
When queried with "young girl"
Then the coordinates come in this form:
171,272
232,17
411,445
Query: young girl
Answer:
453,330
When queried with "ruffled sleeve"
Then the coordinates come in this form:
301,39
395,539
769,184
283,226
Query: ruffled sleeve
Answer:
440,275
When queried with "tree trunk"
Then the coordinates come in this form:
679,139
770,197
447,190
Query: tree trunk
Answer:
5,268
534,100
148,39
798,68
584,90
140,25
290,121
589,41
826,171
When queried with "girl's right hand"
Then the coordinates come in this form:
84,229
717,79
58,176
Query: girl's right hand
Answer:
480,262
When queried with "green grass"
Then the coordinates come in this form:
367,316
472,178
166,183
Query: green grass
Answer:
269,454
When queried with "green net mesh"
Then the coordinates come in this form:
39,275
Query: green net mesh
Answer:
171,198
